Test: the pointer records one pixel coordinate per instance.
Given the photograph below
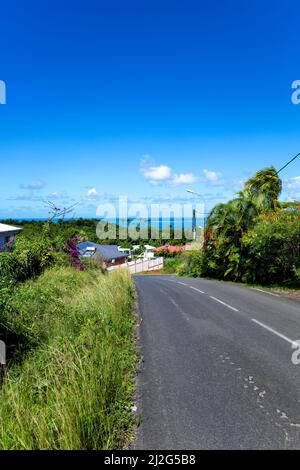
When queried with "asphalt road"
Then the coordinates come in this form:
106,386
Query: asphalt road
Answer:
217,370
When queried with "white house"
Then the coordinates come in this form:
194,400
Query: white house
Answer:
149,252
7,232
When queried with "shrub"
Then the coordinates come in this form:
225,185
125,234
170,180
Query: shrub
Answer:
167,253
171,264
191,264
273,249
28,259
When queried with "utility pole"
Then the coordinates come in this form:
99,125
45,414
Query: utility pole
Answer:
194,224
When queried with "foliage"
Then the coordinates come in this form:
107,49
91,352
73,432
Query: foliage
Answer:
264,189
167,253
273,249
171,265
187,263
25,261
252,238
85,230
191,264
71,249
73,388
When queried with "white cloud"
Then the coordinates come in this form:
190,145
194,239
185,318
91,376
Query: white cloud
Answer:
37,184
54,195
61,196
92,193
157,174
294,183
291,188
28,196
184,178
212,176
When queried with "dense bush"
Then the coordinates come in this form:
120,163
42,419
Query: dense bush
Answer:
171,264
188,263
251,238
273,249
29,258
268,253
191,264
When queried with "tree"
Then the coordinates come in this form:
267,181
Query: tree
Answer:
273,249
264,189
224,253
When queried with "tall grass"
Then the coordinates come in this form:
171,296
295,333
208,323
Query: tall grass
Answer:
73,388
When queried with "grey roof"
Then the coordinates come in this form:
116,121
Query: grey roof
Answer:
107,252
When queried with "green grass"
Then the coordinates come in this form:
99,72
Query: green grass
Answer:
171,265
73,387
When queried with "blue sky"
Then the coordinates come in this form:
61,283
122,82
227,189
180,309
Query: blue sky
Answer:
144,99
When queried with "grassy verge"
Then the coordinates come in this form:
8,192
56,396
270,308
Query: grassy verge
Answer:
283,291
73,387
189,265
171,265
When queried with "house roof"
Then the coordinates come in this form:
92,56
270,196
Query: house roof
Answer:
9,228
107,252
149,247
171,248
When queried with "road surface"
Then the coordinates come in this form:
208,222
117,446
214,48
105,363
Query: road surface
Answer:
217,370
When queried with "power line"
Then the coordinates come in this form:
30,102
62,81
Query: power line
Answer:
294,158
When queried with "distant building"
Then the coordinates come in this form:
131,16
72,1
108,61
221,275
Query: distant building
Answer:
108,253
125,251
7,233
172,248
149,251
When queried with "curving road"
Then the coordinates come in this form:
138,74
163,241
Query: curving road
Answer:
217,370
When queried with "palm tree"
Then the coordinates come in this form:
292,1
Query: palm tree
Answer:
218,217
264,189
232,218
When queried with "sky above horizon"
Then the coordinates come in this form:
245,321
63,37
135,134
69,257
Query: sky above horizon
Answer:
144,99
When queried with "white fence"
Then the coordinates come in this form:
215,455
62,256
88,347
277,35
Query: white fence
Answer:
141,265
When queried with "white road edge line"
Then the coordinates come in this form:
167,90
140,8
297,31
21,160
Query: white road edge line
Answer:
223,303
274,332
198,290
182,283
265,291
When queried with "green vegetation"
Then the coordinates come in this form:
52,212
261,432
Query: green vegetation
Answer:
272,250
171,265
70,332
190,264
86,230
69,384
70,337
29,258
252,238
